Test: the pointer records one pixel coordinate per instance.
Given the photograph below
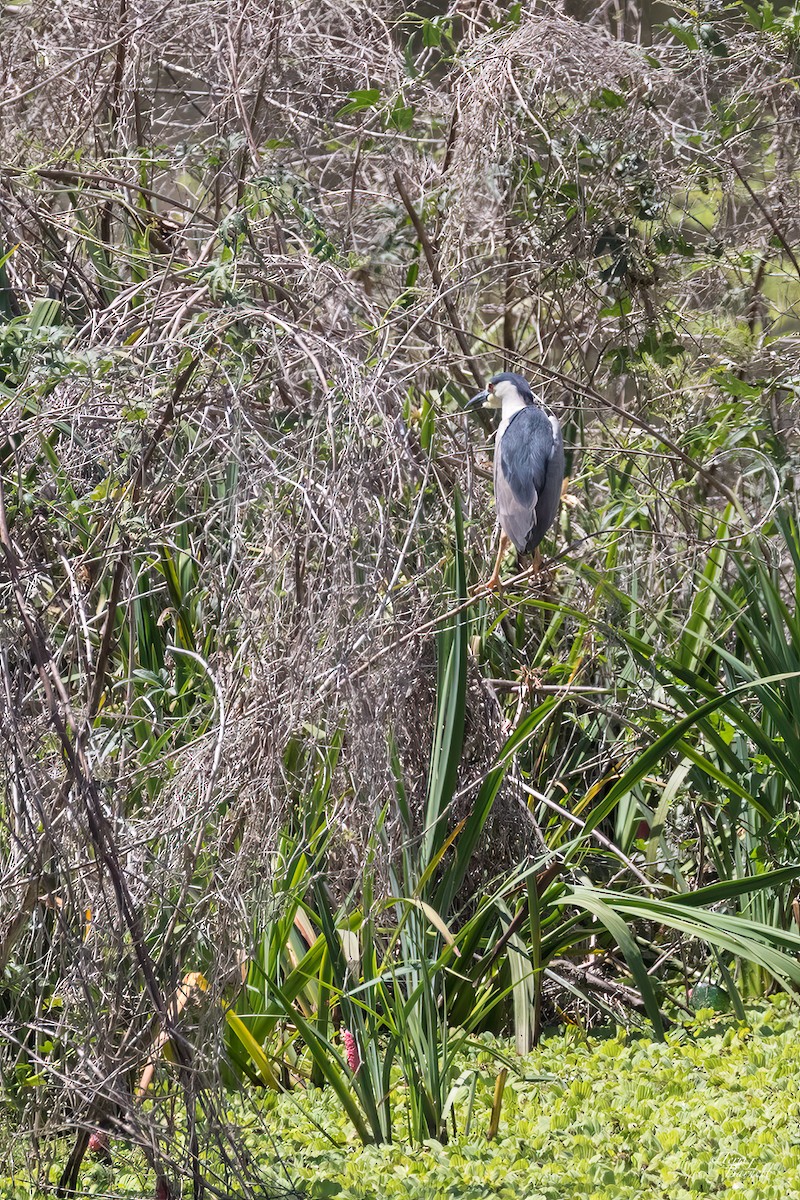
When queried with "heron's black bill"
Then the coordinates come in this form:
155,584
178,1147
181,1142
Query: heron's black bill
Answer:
476,401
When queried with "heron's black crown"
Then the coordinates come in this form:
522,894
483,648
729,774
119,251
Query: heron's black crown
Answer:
522,385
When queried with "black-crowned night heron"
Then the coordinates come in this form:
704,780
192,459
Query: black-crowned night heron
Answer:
528,465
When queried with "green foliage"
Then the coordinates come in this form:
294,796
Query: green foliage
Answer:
406,989
703,1112
682,1118
413,994
241,514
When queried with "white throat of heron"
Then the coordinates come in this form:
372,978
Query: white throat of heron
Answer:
510,401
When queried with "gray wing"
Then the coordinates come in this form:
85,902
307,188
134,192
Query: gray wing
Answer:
528,474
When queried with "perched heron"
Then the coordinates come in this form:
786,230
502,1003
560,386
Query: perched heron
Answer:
528,465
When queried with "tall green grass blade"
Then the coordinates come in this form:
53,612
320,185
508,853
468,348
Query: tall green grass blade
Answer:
595,903
727,889
650,757
253,1048
451,695
332,1068
695,639
750,941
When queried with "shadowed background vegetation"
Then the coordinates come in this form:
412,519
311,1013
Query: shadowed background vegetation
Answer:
285,802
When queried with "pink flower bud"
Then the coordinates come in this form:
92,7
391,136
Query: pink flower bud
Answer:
351,1050
98,1142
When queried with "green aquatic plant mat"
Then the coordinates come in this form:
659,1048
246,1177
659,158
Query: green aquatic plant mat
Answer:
710,1111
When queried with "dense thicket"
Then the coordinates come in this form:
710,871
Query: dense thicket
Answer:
253,260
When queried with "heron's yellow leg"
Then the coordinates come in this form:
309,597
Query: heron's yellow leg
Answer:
494,580
567,497
534,570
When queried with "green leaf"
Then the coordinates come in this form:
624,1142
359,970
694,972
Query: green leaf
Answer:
752,941
253,1049
730,383
401,117
43,314
594,903
359,100
726,889
620,308
331,1067
683,33
451,694
611,99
